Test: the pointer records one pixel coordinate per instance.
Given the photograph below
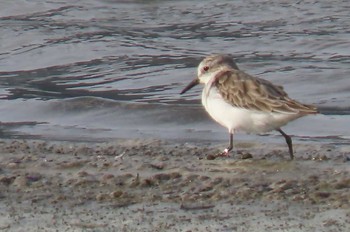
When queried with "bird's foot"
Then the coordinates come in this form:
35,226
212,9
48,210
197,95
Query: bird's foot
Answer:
225,153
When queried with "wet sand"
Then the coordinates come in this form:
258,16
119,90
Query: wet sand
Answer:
153,185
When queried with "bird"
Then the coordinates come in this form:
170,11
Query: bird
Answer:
242,102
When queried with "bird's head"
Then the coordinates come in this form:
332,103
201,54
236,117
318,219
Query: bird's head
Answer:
209,66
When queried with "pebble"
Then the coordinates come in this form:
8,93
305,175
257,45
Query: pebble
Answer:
12,165
116,194
20,181
158,166
246,155
33,177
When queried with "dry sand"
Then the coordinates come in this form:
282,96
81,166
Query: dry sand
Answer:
152,185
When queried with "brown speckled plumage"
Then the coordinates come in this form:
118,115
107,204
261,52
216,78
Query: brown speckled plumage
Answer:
245,91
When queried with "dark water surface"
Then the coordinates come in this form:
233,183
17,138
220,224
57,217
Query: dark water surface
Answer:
99,70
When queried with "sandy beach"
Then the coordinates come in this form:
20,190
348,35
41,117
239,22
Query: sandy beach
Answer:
153,185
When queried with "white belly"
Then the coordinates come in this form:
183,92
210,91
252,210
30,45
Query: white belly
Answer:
234,118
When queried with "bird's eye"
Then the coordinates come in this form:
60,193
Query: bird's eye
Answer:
206,68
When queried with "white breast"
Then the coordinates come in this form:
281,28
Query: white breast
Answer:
234,118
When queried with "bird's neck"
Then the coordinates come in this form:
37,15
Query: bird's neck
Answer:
207,78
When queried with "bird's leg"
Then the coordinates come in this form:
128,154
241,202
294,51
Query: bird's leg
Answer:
289,142
226,152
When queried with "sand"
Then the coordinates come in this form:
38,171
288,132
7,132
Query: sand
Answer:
153,185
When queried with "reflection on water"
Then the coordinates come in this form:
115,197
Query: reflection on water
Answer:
143,53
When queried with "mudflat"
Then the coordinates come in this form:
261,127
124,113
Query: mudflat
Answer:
155,185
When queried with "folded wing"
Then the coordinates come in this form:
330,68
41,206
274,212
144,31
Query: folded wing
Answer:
243,90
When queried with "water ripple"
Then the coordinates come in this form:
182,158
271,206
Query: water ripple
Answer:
147,51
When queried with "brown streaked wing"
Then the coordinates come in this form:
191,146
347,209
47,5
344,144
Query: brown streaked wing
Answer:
245,91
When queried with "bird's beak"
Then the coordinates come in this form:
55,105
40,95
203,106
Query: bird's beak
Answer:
190,85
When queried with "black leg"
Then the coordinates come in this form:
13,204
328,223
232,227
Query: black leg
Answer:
225,152
229,148
288,141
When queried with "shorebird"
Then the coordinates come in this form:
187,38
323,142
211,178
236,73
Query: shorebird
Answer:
239,101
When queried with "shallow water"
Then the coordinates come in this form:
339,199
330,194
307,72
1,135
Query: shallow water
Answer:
100,70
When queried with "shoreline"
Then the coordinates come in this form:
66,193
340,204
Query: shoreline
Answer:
154,185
